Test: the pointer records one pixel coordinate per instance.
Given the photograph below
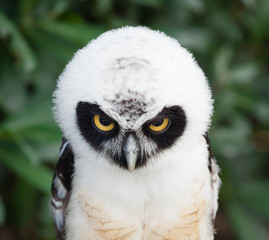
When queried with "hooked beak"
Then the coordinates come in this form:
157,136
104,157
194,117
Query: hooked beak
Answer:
131,152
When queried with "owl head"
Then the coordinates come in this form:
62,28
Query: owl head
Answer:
132,95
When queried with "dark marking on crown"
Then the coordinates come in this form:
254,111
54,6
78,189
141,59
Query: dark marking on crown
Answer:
131,62
132,104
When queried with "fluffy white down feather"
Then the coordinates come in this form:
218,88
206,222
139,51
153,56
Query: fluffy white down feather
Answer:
165,74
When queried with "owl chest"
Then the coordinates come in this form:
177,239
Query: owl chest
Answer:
102,223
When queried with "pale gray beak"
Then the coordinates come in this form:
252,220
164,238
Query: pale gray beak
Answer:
131,152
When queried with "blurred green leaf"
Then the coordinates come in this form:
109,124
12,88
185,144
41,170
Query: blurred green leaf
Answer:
26,6
259,21
149,3
28,151
249,3
2,212
79,34
13,97
103,6
36,115
245,73
22,206
225,26
245,225
61,6
49,152
256,196
192,5
44,218
20,47
35,174
262,111
57,48
221,66
197,39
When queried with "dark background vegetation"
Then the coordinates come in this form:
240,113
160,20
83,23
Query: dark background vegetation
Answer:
230,40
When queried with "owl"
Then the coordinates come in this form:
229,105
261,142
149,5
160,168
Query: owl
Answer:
135,162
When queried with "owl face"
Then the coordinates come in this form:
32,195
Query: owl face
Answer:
126,147
130,95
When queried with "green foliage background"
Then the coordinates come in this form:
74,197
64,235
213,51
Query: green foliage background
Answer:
230,40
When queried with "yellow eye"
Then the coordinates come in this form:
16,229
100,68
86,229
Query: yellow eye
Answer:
159,125
103,123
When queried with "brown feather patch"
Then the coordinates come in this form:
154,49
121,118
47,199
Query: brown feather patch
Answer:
103,224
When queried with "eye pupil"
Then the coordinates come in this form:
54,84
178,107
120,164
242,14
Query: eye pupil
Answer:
105,120
103,123
157,122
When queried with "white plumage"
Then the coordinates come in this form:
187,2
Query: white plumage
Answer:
134,183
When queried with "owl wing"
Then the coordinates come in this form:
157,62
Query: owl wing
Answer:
215,180
61,186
